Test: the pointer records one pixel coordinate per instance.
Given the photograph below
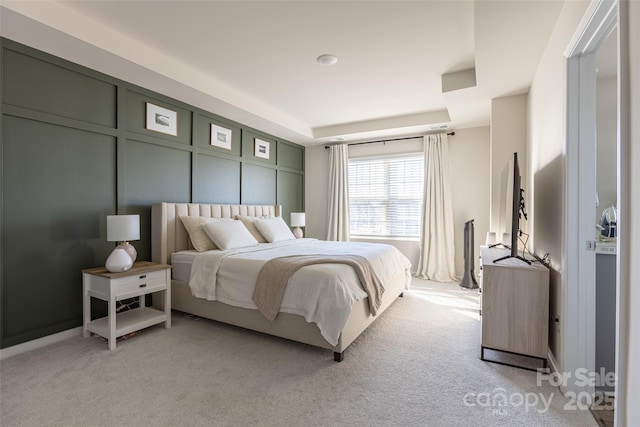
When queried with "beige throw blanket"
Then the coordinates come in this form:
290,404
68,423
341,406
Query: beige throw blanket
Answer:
274,276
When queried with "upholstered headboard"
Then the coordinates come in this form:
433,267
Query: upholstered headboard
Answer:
168,235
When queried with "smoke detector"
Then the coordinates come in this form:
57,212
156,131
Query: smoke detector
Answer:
327,59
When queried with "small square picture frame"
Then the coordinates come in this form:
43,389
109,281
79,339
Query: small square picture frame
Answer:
220,137
161,119
261,148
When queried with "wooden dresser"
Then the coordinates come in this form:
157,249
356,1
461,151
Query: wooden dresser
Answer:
515,306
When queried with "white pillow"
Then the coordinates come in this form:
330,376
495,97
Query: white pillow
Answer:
193,225
274,229
249,222
229,234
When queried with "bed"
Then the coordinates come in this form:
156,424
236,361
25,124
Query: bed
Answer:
171,244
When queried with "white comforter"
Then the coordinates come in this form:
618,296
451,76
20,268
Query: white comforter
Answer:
323,293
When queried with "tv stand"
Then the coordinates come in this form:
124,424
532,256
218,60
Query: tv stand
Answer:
495,261
499,244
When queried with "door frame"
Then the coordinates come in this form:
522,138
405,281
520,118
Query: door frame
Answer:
578,243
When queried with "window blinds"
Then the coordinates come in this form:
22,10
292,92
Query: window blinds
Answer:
385,196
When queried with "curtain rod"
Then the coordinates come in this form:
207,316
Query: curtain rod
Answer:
386,140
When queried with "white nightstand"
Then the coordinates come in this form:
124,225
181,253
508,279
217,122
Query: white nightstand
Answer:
142,279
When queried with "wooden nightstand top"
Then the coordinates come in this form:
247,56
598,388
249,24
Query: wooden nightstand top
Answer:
138,267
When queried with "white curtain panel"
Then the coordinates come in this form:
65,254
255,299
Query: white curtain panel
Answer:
437,250
338,193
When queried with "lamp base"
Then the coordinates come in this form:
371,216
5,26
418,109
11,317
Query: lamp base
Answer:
119,260
298,233
130,249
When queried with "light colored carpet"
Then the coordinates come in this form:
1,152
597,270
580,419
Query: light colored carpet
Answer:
418,365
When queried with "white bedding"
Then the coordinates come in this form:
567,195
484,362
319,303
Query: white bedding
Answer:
322,293
181,264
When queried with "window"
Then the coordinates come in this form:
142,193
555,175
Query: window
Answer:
385,196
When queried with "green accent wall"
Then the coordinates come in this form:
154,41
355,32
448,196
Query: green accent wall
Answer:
75,148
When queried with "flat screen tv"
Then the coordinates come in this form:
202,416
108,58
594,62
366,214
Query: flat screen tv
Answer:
512,203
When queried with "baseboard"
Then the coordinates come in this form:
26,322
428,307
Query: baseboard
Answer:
14,350
553,364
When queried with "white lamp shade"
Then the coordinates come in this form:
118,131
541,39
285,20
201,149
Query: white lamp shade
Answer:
506,239
123,228
297,219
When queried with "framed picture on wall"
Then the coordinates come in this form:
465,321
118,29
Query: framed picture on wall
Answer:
261,148
220,137
160,119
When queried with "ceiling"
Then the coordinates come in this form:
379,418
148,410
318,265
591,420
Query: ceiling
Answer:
255,61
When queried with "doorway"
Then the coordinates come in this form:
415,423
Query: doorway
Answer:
606,229
606,206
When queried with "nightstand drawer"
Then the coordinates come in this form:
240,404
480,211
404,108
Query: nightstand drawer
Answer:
149,280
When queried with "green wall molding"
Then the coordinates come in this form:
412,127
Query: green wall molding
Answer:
74,148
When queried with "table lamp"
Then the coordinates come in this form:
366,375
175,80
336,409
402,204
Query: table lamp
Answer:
297,221
122,228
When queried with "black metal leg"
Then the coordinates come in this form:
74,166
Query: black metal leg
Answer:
338,357
542,359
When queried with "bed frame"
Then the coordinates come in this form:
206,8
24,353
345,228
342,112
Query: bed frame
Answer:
168,235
